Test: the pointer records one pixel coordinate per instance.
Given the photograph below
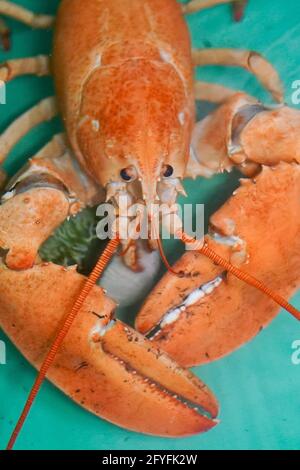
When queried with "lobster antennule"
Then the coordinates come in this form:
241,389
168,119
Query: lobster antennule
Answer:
243,276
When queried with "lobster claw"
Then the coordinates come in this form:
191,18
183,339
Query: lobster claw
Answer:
103,365
258,230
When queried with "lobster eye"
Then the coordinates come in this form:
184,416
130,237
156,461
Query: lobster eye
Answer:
168,170
127,174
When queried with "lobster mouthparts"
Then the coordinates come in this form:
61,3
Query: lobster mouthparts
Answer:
103,365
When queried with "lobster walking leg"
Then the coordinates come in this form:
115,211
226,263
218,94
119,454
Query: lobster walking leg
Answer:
249,60
197,5
53,149
25,16
4,35
43,111
212,92
39,65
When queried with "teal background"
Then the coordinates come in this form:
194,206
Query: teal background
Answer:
257,386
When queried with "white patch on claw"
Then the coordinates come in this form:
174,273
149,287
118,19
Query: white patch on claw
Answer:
170,317
206,289
232,240
8,195
99,330
194,297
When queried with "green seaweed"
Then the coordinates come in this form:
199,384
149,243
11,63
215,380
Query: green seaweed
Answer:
75,242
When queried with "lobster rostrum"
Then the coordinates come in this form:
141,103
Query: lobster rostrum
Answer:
127,93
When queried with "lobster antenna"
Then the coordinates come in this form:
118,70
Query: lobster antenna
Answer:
162,253
160,249
243,276
51,355
164,258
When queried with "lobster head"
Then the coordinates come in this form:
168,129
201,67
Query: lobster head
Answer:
134,134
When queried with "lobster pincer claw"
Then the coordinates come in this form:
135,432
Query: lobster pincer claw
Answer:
211,311
103,365
36,202
244,132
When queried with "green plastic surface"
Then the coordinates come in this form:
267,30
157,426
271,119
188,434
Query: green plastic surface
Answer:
258,385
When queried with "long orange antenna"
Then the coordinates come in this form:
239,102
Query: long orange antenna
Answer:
243,276
162,253
164,258
48,361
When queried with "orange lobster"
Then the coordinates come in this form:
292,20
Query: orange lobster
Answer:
125,88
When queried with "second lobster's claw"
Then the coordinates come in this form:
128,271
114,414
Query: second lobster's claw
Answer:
103,365
202,317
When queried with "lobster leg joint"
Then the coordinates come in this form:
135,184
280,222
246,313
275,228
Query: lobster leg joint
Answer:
28,216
